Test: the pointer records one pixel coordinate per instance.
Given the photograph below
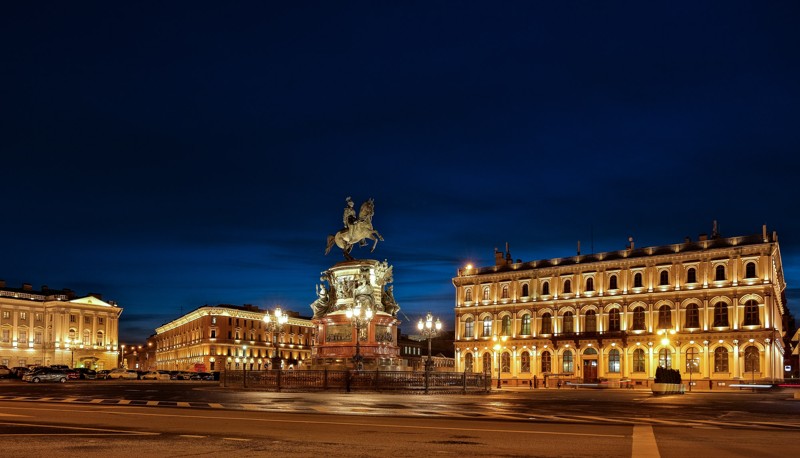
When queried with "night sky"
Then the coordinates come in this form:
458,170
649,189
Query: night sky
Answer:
171,155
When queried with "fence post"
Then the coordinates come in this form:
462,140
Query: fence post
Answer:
278,378
347,380
376,384
464,380
325,379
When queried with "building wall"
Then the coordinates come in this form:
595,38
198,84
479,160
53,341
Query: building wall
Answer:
39,329
494,300
219,337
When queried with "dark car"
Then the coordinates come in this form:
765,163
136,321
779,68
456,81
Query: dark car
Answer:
86,373
5,372
103,374
19,371
205,376
72,374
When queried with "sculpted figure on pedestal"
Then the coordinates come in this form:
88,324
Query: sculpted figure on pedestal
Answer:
356,229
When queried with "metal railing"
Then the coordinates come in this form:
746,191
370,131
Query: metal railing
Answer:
353,380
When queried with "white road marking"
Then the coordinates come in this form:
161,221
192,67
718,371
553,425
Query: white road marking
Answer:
238,439
152,403
214,405
644,442
192,436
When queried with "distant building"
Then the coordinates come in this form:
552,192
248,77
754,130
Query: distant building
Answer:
48,326
414,351
212,338
714,309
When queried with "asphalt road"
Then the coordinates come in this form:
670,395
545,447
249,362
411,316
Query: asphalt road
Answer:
190,418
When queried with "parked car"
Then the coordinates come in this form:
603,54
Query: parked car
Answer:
45,374
72,374
19,371
204,376
103,374
155,375
126,374
5,372
60,367
86,373
183,375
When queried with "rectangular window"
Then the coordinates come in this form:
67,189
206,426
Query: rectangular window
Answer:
38,317
23,336
6,335
73,318
101,321
23,316
6,314
37,338
638,360
87,320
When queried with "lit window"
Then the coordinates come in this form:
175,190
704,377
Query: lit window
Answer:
546,360
506,326
638,319
613,361
545,288
468,296
590,284
567,362
721,359
750,270
547,324
692,361
567,286
692,316
665,358
525,290
612,282
664,317
568,323
663,278
613,320
525,362
469,327
591,321
751,313
505,362
487,327
720,314
469,363
526,325
751,359
637,280
638,360
504,292
691,275
720,273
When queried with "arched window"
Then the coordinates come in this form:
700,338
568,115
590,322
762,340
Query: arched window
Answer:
664,317
506,328
525,290
750,270
612,282
663,279
525,362
468,296
692,317
720,314
99,339
486,293
638,360
545,288
613,320
504,292
487,363
665,358
567,286
568,323
487,327
591,321
691,275
546,360
637,280
638,319
87,337
505,362
469,327
721,359
469,363
526,325
613,361
751,313
590,351
547,324
72,334
692,360
568,366
720,273
590,284
751,359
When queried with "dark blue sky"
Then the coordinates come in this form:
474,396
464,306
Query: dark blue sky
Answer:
180,154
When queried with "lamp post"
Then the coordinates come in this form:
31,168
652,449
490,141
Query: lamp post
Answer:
359,316
274,325
497,347
429,329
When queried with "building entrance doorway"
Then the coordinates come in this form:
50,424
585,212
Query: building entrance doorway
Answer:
589,370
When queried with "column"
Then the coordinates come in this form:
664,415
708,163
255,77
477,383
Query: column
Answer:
736,366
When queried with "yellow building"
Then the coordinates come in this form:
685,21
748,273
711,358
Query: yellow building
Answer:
713,309
212,338
48,327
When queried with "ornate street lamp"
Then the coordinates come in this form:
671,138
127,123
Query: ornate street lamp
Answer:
359,316
274,324
429,329
497,347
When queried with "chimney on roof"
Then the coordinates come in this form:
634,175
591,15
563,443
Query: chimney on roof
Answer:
498,257
27,287
715,230
764,233
630,243
508,255
579,247
702,237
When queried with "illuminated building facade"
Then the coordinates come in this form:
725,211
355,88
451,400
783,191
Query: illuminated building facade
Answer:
213,338
48,327
713,309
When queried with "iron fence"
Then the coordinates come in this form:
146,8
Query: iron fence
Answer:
353,380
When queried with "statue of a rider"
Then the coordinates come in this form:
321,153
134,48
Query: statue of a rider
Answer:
356,229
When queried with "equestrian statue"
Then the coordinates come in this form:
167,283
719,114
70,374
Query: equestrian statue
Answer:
356,229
